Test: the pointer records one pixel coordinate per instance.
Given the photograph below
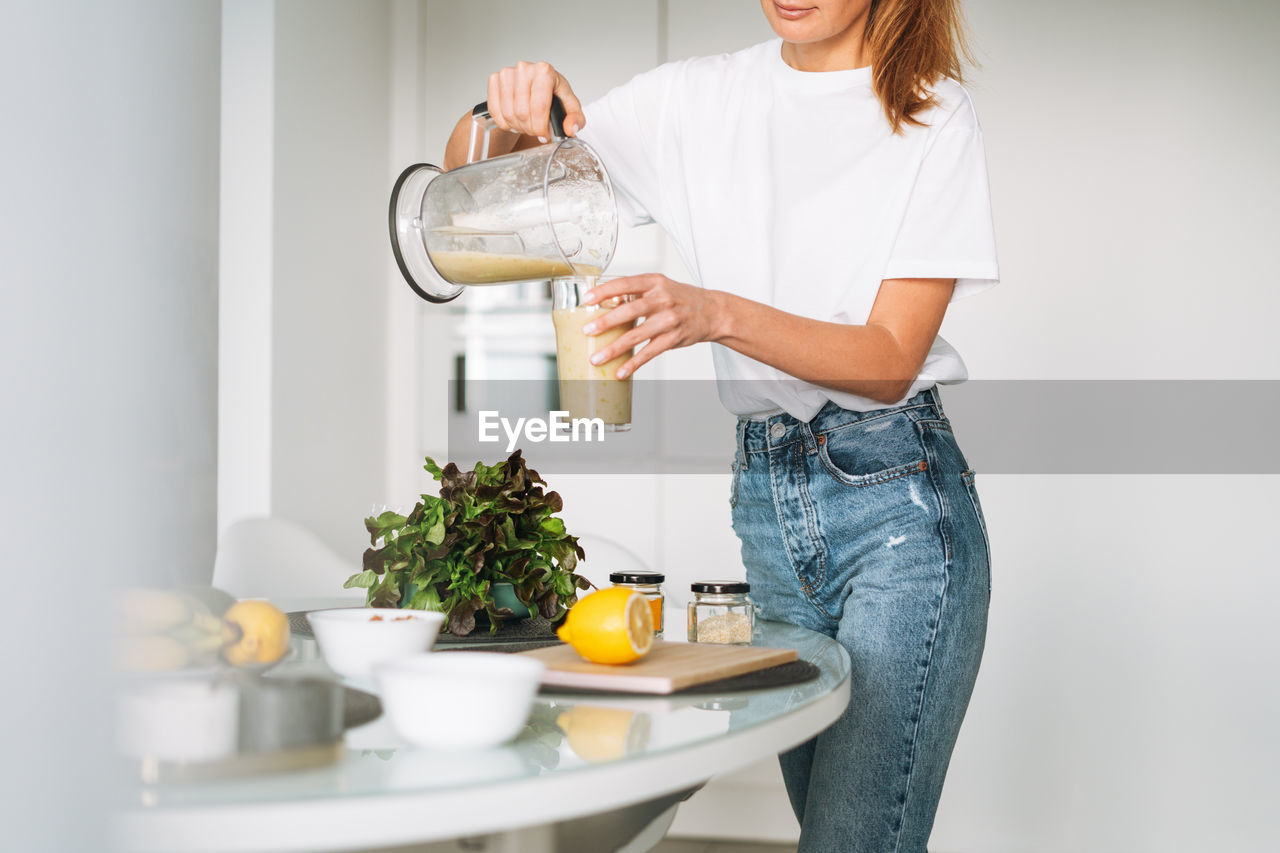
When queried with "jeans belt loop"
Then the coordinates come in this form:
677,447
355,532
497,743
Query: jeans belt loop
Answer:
807,437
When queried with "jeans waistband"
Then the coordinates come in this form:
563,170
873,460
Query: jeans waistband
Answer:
758,435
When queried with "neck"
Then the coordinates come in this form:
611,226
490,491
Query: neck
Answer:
840,52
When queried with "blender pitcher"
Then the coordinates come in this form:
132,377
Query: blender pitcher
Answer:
529,215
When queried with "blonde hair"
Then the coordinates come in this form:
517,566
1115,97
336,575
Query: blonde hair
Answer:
914,43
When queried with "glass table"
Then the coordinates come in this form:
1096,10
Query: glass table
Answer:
578,755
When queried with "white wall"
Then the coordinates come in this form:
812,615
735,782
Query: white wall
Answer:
307,144
246,251
1121,705
404,365
1135,190
1126,701
108,269
332,139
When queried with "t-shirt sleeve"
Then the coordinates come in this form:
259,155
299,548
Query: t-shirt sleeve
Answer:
947,231
630,129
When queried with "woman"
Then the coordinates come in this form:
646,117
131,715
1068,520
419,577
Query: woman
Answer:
828,190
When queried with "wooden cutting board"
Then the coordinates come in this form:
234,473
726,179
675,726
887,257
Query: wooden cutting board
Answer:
667,668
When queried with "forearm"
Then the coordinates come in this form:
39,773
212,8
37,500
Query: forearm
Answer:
866,360
455,150
500,142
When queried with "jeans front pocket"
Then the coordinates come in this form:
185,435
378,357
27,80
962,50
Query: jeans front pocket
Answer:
874,450
735,476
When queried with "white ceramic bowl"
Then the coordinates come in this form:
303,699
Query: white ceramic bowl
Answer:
458,700
352,641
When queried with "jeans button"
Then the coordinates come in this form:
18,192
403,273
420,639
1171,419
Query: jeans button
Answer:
777,430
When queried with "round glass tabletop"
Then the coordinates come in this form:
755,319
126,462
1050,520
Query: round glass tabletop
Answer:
637,746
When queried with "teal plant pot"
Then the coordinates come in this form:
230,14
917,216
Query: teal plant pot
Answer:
504,595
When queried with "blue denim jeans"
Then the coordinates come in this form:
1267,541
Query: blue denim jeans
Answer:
866,526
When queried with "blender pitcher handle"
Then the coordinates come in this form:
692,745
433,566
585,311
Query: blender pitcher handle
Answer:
482,122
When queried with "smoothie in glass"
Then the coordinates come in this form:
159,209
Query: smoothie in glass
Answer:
588,390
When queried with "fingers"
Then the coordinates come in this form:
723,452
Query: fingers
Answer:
520,98
624,313
654,348
651,328
542,84
631,284
506,100
494,99
574,118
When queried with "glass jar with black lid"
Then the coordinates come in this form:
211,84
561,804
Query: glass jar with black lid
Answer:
648,584
721,612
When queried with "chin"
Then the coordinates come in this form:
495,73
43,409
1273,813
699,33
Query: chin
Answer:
806,29
789,32
799,36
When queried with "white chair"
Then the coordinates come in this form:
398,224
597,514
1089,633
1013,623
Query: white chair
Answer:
277,558
605,556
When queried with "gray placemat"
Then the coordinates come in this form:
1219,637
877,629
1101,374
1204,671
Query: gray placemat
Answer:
506,646
521,631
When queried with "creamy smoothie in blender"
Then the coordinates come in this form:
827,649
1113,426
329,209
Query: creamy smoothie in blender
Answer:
588,390
488,268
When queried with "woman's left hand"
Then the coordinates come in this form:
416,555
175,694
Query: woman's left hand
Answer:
675,315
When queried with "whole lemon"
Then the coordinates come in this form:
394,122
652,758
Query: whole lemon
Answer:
612,625
254,632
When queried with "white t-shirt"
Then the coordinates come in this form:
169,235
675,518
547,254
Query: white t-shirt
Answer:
788,188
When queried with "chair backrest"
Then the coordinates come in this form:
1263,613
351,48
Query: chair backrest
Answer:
275,557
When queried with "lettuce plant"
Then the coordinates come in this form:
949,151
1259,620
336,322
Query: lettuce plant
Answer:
488,525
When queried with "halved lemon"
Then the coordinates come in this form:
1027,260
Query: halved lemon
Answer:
604,734
612,625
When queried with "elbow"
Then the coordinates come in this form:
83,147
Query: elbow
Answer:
897,384
889,391
897,365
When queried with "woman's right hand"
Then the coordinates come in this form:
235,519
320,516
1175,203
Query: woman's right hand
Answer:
520,100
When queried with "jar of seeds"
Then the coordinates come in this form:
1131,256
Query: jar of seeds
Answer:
721,612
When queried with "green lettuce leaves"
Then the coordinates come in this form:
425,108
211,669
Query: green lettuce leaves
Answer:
489,525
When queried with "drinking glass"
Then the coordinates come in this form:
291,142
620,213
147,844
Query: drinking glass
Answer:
587,390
